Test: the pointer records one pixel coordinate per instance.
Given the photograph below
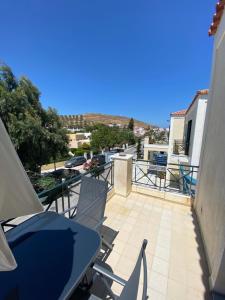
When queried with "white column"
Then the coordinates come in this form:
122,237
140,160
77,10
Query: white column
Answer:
122,173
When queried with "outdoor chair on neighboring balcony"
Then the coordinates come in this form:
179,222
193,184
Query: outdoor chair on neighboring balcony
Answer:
130,290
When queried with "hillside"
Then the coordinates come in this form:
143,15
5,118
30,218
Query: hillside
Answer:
93,118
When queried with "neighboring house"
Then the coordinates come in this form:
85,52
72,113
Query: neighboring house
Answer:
176,135
154,149
210,198
76,140
194,127
139,131
186,131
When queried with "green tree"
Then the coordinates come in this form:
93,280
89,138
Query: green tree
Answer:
36,133
76,119
104,137
157,136
100,138
131,124
139,148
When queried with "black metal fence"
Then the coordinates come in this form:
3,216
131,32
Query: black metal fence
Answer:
179,147
65,195
176,178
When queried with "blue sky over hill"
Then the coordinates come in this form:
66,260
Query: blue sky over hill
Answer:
142,58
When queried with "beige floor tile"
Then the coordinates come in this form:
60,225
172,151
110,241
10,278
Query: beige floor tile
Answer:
162,252
113,259
131,220
127,227
178,274
192,294
153,295
131,252
122,236
195,281
176,290
174,269
125,266
158,282
119,247
160,266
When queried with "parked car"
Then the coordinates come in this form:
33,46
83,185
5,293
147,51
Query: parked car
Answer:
116,150
99,159
96,161
75,161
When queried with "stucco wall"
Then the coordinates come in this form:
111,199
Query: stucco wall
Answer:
76,140
154,148
210,199
197,114
176,133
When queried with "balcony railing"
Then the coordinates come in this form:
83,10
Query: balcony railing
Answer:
179,147
65,195
177,178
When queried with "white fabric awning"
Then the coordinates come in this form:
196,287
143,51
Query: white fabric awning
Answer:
17,196
7,260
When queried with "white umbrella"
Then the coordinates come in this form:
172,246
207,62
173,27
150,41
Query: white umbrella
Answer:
7,260
17,196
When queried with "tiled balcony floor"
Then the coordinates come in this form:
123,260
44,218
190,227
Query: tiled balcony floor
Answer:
176,264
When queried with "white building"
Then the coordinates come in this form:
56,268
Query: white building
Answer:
176,135
139,131
210,199
186,131
194,127
76,140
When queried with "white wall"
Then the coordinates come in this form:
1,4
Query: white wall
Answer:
197,114
198,132
153,148
176,133
210,199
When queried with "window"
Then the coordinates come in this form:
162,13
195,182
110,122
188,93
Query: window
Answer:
188,137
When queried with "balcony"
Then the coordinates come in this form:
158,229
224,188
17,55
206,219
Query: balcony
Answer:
176,263
179,147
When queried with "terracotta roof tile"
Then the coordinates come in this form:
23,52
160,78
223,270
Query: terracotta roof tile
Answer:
217,17
198,93
203,92
182,113
179,113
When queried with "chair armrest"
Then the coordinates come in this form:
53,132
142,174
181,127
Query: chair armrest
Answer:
145,273
105,273
67,210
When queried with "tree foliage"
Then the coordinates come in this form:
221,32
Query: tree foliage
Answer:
105,137
131,124
139,148
157,136
36,133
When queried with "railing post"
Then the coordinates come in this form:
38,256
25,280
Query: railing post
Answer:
192,170
135,172
122,174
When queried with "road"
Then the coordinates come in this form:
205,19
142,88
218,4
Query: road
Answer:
131,150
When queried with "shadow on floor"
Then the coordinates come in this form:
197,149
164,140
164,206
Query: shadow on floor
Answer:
203,261
98,288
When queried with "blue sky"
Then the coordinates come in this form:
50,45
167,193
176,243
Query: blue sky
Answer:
138,58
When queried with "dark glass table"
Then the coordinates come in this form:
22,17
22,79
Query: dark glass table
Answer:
53,253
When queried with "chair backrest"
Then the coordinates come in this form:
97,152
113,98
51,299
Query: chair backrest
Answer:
91,203
130,291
